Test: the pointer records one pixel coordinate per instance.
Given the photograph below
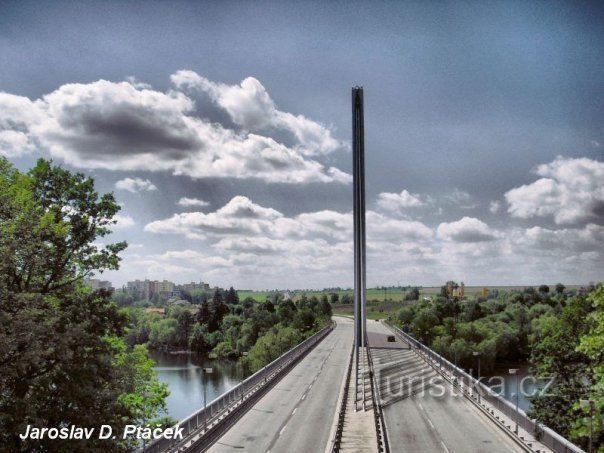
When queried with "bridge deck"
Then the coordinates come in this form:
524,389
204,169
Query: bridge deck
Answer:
296,415
424,421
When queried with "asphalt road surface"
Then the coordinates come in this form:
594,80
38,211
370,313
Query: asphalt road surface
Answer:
297,414
433,420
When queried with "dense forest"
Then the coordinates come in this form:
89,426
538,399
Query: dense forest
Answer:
225,327
560,333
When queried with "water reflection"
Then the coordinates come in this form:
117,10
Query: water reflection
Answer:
182,373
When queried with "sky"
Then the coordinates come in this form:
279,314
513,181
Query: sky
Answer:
223,128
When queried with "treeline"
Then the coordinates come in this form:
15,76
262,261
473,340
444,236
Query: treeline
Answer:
559,333
224,327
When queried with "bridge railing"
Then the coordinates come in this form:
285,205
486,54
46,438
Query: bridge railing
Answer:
378,413
223,404
467,383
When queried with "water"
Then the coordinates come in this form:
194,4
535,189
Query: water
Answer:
526,385
182,373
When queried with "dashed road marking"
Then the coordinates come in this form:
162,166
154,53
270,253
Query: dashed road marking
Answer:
294,411
282,429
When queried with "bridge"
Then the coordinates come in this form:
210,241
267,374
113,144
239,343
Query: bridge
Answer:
360,385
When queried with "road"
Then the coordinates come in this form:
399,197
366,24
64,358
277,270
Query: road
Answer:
435,420
297,414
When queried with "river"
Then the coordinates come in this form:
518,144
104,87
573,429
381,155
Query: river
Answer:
182,373
526,384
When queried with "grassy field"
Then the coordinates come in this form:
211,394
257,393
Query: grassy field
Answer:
375,310
372,294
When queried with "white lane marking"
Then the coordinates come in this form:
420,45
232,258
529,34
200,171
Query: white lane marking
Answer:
444,446
303,396
294,411
431,424
420,406
282,429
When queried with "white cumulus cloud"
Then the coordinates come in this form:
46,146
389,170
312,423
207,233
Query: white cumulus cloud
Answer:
397,201
129,126
250,106
135,185
570,190
467,229
192,202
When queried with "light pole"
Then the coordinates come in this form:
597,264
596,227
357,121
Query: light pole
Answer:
477,354
244,354
514,371
589,404
204,372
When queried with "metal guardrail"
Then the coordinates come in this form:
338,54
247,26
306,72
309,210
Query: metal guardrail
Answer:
342,412
217,410
545,435
380,424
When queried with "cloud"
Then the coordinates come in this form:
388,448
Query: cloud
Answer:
192,202
135,185
570,190
250,245
129,126
16,114
467,229
462,199
238,216
250,106
397,201
495,206
123,221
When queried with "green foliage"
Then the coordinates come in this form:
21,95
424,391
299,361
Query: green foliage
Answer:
592,345
63,354
271,345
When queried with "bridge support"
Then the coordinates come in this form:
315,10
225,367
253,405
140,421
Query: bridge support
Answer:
358,168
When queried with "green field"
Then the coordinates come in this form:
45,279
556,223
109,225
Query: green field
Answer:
381,295
375,309
372,294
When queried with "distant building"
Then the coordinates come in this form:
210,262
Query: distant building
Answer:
190,287
142,289
96,284
456,290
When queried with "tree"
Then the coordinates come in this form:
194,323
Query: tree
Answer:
218,310
203,314
304,320
544,289
63,357
232,298
555,353
334,298
560,288
412,294
50,223
592,345
346,299
185,323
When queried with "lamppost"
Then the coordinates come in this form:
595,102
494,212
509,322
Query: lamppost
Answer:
514,371
426,333
244,354
204,372
589,404
477,354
